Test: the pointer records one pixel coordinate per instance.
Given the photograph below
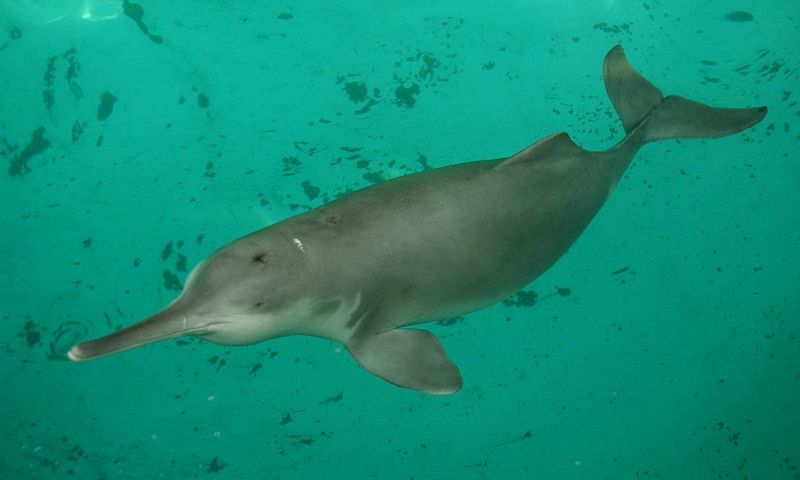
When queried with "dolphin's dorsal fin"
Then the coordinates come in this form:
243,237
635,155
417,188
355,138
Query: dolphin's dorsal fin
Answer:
410,358
555,145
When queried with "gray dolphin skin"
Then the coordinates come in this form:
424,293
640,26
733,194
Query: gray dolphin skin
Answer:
420,248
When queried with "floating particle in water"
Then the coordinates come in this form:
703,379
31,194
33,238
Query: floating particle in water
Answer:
106,107
429,65
423,160
180,264
135,12
739,16
216,465
371,103
615,29
73,69
48,95
75,453
311,191
77,129
449,322
523,298
374,177
167,251
209,170
356,91
31,333
291,165
37,145
405,96
202,100
171,281
300,440
333,399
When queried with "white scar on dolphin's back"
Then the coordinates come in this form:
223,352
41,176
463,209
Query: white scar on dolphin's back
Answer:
299,245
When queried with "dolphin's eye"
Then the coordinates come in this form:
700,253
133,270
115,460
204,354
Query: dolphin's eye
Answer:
260,258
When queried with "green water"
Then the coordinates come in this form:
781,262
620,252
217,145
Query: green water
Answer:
138,138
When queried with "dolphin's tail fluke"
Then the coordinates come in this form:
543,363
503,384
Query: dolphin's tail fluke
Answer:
649,116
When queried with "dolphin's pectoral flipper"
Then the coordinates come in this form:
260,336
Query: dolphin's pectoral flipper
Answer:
410,358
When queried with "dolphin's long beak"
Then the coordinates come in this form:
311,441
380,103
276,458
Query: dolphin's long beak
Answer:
168,323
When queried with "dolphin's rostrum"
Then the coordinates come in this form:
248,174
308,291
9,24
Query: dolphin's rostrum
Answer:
419,248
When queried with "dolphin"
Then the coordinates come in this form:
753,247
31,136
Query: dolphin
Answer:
421,247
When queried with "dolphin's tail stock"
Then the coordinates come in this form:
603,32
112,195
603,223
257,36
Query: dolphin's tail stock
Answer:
647,115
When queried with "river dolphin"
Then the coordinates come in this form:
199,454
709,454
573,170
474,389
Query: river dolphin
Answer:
419,248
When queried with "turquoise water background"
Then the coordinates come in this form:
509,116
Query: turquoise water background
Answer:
663,345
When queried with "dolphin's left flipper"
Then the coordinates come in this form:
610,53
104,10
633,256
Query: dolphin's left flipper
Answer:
408,357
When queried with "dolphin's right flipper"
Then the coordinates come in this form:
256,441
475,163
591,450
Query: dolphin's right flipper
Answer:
410,358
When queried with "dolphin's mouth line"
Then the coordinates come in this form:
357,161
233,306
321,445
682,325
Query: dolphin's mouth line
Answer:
203,330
